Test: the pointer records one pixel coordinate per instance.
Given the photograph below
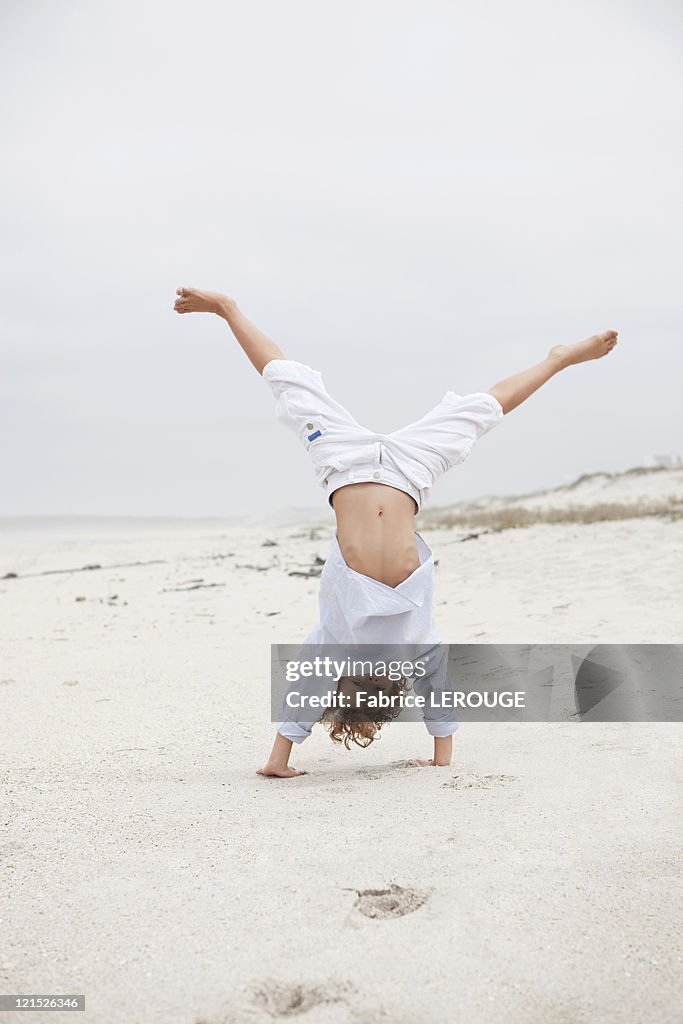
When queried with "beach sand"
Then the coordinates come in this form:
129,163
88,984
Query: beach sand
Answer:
145,864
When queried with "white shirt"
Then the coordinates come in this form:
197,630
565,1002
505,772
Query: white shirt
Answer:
355,609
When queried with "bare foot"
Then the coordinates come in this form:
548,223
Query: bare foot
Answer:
431,763
279,773
191,300
596,347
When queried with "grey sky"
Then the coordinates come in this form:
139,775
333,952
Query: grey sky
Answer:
411,197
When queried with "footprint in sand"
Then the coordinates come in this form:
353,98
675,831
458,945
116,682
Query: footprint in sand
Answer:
275,1000
472,780
380,771
395,901
281,1000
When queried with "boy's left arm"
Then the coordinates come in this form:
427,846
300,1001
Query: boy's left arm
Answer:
443,753
439,716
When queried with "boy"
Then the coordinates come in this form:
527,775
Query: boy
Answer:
377,585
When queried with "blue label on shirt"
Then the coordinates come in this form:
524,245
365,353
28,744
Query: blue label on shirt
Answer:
312,437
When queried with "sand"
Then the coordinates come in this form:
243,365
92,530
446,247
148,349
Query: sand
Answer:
143,863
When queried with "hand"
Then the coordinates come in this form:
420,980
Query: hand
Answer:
278,771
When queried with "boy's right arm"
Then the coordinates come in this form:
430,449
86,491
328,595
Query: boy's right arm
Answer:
277,764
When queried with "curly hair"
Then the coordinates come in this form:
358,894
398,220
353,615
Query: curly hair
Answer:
358,724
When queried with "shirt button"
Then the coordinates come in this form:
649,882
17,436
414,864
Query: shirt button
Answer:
376,476
309,426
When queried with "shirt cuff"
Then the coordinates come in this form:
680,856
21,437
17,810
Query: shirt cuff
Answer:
293,731
441,729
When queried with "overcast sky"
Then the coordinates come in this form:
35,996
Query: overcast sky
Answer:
412,197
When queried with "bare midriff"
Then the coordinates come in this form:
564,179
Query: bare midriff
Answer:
376,531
